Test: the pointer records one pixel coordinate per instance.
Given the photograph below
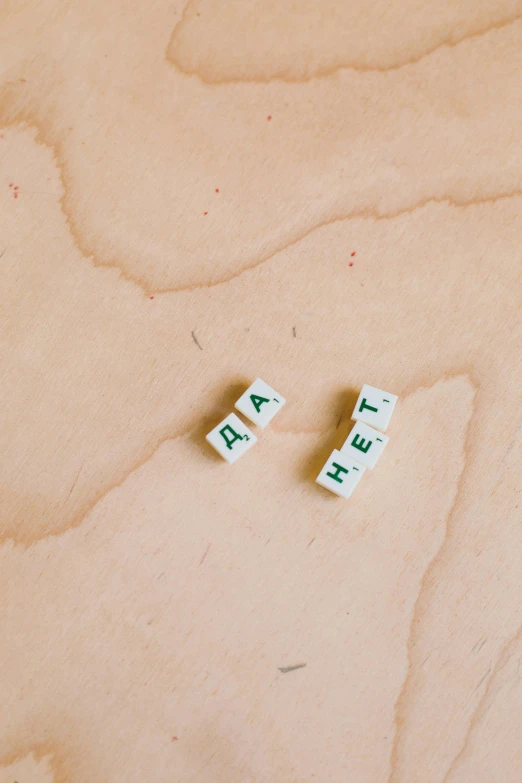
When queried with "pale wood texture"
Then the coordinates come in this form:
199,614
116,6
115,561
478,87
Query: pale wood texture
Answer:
177,175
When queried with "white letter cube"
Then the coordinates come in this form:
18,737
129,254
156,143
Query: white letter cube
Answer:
364,444
340,474
374,407
260,403
231,438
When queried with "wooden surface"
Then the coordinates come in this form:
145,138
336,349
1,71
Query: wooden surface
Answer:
182,192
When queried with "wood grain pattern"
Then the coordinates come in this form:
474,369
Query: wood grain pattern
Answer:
181,192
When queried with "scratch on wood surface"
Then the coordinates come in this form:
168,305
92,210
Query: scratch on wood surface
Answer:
293,331
480,644
482,680
196,340
504,458
286,669
74,483
513,440
205,553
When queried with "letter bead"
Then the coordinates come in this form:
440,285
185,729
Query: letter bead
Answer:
340,474
364,444
231,438
374,407
260,403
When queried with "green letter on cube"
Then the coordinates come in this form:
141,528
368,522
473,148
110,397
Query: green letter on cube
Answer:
230,442
362,444
338,469
258,401
364,407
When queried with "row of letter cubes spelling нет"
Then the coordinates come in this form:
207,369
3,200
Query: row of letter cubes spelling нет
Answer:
363,446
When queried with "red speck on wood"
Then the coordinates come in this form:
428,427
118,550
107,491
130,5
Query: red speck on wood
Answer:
16,195
16,187
151,297
205,213
269,117
351,263
217,190
353,253
10,184
174,738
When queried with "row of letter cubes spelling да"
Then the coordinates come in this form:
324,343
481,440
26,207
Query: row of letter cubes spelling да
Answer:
363,446
231,438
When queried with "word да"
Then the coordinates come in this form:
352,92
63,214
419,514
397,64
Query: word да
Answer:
232,438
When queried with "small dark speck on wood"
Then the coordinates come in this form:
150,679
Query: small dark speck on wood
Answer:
196,340
286,669
293,331
3,251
